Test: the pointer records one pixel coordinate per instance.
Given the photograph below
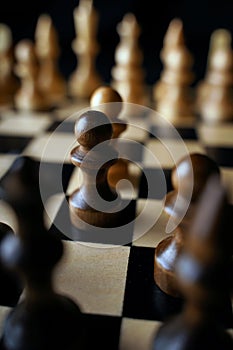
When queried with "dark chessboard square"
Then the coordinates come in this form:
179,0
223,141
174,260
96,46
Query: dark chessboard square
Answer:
132,150
157,187
11,288
186,133
54,178
13,144
62,126
102,332
122,235
222,155
143,299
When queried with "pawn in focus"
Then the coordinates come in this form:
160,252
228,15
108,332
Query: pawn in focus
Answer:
91,203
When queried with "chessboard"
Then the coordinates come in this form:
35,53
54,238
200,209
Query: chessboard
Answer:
113,284
112,280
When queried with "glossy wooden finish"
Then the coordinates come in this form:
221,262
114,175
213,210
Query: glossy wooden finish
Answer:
42,319
109,101
200,168
204,271
92,129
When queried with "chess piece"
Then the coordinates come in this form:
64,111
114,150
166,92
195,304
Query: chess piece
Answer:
85,79
28,97
8,81
11,286
204,271
42,319
50,80
109,102
214,96
172,94
200,168
220,38
128,76
95,203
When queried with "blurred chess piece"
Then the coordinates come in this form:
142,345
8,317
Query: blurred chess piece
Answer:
109,101
85,79
128,74
188,179
43,318
173,94
214,96
204,272
8,81
220,38
50,80
28,97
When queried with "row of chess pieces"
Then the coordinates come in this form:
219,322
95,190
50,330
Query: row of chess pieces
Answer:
40,84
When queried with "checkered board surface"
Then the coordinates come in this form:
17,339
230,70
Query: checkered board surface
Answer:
114,284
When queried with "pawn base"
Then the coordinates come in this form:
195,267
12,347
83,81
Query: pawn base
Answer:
164,262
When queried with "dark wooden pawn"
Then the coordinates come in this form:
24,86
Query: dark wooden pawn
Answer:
11,286
109,101
198,167
95,203
43,319
204,271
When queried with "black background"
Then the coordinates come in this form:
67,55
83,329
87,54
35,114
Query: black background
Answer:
200,18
